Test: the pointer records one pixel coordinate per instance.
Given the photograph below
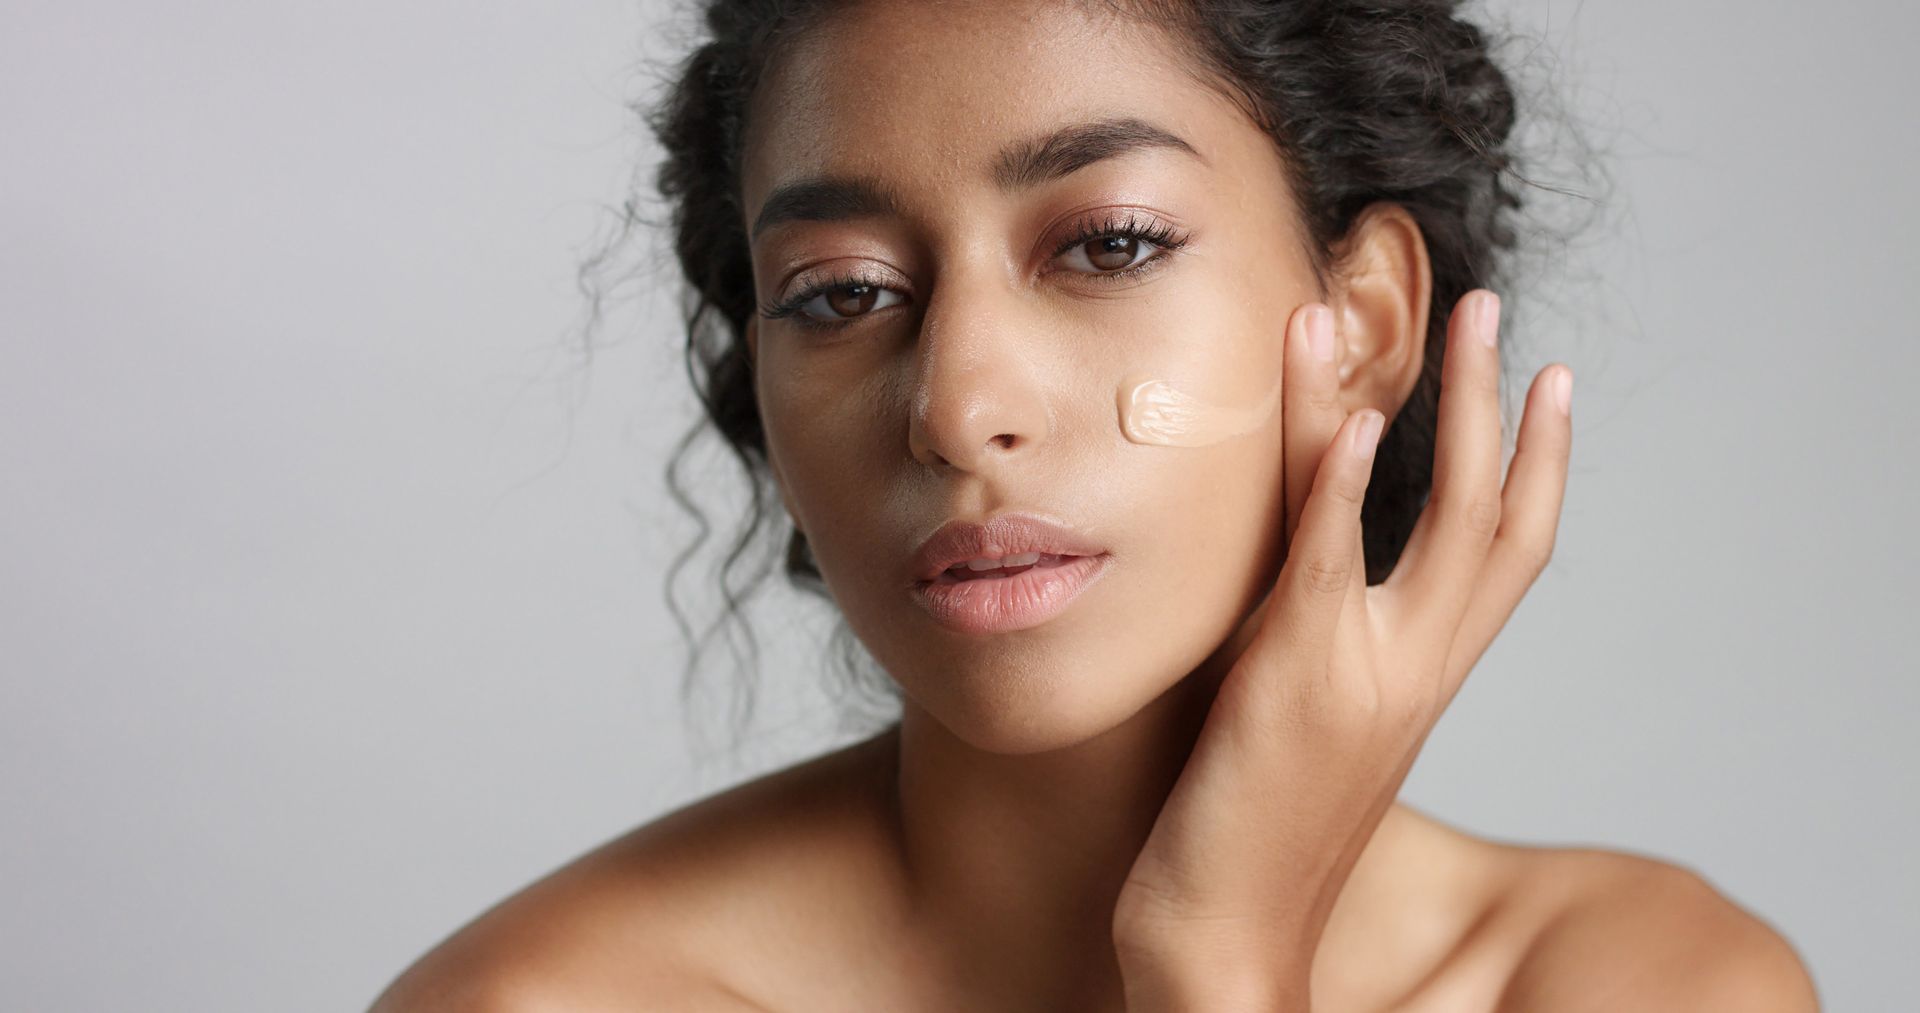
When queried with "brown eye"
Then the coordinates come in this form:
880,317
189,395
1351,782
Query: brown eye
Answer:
861,299
834,303
1120,249
1111,253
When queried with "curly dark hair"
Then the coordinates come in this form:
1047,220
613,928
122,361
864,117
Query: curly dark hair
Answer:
1367,101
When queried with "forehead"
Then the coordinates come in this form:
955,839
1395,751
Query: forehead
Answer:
941,98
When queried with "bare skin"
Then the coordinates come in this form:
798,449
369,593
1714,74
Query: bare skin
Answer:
784,894
972,857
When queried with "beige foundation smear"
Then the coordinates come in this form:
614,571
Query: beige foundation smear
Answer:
1160,413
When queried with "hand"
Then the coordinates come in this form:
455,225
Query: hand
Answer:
1317,723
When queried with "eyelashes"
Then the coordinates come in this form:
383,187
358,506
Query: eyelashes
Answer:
855,283
1164,239
1151,232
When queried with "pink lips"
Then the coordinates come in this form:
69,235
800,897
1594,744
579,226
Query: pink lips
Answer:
996,603
1001,536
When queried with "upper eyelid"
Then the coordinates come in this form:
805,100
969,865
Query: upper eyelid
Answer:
1090,226
1120,220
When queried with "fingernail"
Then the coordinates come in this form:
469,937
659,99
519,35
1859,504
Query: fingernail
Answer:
1320,333
1366,435
1563,389
1490,319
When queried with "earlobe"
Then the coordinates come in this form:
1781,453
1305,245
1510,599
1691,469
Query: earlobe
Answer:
1381,305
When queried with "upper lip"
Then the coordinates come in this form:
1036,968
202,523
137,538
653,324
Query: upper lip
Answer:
1005,535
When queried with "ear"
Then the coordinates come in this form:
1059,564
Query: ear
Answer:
1382,292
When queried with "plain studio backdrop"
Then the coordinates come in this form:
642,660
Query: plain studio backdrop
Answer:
331,574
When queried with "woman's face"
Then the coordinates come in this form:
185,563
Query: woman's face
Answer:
1012,353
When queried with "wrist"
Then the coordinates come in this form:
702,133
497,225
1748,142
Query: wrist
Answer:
1194,968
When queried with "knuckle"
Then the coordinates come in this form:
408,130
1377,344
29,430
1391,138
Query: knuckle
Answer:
1301,710
1421,703
1364,703
1326,575
1347,494
1335,708
1481,516
1403,697
1352,692
1524,548
1301,702
1356,708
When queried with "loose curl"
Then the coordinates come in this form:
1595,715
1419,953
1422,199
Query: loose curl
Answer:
1367,101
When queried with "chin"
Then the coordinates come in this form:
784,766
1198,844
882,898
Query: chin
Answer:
1018,698
1030,722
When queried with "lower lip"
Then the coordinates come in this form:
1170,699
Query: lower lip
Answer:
1005,604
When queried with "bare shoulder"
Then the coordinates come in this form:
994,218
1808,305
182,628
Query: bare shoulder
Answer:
1629,931
652,914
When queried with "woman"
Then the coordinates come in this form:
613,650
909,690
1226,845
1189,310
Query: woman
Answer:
1067,333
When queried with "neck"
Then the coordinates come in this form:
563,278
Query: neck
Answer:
1014,862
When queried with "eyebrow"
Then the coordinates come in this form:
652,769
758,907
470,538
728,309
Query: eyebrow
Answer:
1022,165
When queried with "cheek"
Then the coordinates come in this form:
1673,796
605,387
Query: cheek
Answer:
835,455
1208,371
1197,401
1212,538
817,410
808,439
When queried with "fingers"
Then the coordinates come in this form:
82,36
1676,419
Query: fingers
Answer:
1435,577
1314,413
1309,404
1323,581
1529,520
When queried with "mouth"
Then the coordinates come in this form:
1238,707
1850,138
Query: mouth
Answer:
1001,547
989,569
1002,599
1013,572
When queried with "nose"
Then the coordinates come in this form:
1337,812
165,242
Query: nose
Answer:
979,393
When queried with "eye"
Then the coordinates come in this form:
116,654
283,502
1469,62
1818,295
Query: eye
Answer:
832,303
1111,248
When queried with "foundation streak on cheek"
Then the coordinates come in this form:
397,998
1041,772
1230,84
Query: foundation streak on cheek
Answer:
1158,412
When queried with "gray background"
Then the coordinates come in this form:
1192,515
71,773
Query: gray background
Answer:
330,606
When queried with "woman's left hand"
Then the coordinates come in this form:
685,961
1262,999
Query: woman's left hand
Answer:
1316,725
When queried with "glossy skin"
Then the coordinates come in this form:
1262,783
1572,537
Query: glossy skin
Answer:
1042,783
